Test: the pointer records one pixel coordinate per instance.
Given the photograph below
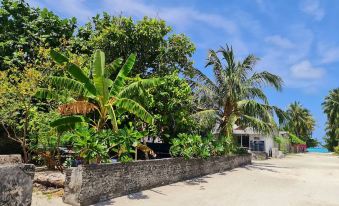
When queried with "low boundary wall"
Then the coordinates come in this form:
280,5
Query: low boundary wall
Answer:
16,184
89,184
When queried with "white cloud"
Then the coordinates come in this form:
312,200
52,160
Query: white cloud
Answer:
191,20
306,71
313,8
277,60
328,53
178,16
279,41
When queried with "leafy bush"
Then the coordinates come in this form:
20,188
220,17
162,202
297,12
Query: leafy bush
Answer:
190,146
336,150
283,143
241,151
88,144
296,140
124,142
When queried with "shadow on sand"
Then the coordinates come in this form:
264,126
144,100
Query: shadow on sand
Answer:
134,196
264,167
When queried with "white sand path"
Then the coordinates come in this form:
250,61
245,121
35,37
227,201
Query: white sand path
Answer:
297,180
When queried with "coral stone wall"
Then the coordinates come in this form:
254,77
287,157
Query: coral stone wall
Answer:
16,184
89,184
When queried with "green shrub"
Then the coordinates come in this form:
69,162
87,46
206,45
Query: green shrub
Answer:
189,146
88,144
123,142
241,151
283,143
296,140
336,150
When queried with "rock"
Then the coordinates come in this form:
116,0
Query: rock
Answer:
50,179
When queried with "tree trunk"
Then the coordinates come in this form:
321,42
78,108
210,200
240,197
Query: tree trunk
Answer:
25,153
24,143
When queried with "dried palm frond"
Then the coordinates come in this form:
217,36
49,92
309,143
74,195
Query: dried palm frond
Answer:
78,107
145,149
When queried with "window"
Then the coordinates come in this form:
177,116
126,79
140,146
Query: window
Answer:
257,145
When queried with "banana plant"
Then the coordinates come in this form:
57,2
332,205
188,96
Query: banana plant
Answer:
99,93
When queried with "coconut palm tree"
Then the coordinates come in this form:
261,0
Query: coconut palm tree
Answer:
236,95
98,93
299,121
331,109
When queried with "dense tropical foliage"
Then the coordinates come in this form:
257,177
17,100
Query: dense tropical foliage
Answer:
331,109
99,93
25,29
300,123
158,52
107,89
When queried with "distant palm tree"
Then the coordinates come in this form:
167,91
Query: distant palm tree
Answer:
331,109
299,121
236,96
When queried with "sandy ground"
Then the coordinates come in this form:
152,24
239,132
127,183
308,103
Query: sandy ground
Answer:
302,179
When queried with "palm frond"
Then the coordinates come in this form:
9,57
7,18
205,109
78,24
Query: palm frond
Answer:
254,92
257,124
79,75
74,70
249,62
113,67
256,110
228,55
46,94
78,107
119,81
145,149
266,78
68,84
100,82
58,57
214,60
201,78
281,114
135,108
130,90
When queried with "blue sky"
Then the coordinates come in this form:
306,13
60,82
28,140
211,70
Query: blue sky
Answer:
298,40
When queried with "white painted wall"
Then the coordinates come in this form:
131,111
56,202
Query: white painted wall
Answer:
268,139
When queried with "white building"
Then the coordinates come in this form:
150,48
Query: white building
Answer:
254,141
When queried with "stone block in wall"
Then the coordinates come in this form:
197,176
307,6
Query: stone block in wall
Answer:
256,155
16,184
89,184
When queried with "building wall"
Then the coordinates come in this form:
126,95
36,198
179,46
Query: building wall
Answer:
269,141
89,184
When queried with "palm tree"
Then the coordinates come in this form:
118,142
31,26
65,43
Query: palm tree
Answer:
236,95
99,93
299,121
331,109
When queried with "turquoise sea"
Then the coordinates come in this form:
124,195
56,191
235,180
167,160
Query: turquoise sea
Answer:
317,149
